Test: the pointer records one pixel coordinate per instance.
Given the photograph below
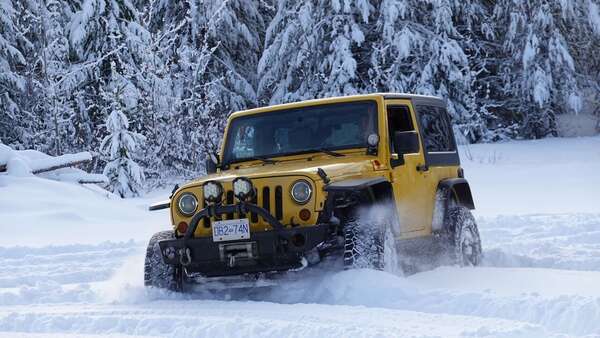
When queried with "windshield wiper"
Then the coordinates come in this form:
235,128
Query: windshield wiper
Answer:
264,160
326,151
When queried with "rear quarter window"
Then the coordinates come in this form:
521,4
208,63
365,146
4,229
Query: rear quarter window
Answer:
436,129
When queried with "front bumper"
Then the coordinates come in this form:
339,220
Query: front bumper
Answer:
279,249
266,251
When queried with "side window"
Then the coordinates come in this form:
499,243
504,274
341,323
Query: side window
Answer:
436,129
398,120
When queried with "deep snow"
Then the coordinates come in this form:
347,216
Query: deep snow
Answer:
72,256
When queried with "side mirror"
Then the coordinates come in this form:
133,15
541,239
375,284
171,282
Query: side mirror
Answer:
211,166
406,142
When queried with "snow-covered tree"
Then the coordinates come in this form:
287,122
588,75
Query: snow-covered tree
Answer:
12,84
48,96
118,147
181,67
202,67
430,50
311,50
104,38
538,71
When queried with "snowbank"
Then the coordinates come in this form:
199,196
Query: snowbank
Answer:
24,163
40,212
553,175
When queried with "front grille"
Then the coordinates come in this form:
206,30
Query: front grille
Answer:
254,216
279,203
264,198
229,201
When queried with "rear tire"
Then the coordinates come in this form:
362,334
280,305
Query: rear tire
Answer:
462,237
156,272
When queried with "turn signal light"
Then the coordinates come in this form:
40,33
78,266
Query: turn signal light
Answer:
182,227
377,165
304,214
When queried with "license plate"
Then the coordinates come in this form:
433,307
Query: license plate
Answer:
231,230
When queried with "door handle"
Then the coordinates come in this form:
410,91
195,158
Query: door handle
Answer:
422,167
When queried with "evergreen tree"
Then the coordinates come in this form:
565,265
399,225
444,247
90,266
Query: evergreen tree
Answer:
119,146
48,96
428,50
538,72
310,50
12,84
180,68
208,76
104,38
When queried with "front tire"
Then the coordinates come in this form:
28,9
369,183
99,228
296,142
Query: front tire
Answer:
369,246
156,272
464,242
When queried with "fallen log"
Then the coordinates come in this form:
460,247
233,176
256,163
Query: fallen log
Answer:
86,178
78,176
91,181
58,162
47,164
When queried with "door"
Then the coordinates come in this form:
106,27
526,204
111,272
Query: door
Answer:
437,139
410,184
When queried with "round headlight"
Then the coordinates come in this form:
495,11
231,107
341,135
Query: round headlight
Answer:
187,204
213,191
301,191
242,188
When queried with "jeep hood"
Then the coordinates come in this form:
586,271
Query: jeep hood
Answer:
336,169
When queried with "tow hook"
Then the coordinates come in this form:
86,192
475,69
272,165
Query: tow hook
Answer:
185,256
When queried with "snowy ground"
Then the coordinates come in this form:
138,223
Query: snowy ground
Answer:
71,265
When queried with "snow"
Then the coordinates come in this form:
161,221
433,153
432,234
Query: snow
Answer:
553,175
72,264
543,283
594,16
40,162
25,162
5,153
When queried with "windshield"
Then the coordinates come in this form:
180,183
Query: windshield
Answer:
293,131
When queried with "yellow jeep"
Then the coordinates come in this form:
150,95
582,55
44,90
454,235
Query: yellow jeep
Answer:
371,178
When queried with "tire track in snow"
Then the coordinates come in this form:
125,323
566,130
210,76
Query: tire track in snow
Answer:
561,241
85,289
221,319
22,266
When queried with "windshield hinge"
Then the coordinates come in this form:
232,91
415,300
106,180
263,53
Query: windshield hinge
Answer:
323,175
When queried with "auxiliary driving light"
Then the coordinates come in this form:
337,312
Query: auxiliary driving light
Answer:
301,191
213,191
243,189
187,204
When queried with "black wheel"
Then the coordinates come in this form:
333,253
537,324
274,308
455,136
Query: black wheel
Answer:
369,246
156,272
462,236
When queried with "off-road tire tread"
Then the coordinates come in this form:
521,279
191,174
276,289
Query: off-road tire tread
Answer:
363,247
156,272
457,218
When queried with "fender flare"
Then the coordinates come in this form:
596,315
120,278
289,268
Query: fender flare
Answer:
457,188
452,188
371,190
354,184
